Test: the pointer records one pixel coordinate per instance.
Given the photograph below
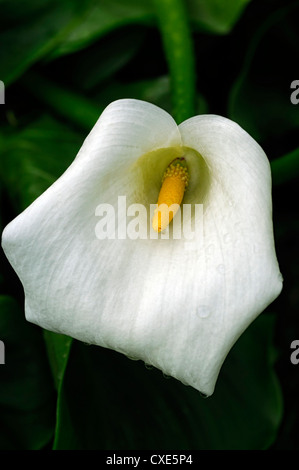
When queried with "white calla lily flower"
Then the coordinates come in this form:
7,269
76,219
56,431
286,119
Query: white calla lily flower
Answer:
178,304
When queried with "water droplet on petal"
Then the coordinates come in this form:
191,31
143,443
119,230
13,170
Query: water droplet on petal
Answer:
166,376
280,277
203,311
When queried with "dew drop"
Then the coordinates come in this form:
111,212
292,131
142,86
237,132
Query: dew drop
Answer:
203,311
167,377
280,277
148,366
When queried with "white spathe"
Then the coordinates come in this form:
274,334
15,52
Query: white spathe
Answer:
178,305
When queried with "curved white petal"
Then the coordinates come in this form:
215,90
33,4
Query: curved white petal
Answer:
176,304
238,275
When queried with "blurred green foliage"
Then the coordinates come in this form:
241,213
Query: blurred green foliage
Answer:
62,62
27,399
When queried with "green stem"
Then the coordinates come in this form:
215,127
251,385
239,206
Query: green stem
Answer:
178,46
75,108
285,168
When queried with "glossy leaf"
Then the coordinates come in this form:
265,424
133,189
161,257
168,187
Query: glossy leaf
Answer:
27,41
100,18
34,31
103,16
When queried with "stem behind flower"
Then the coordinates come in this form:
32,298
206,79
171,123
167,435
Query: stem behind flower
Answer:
178,46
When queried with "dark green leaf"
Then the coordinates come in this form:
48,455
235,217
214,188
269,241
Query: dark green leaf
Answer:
260,99
156,91
73,107
107,56
16,12
32,159
27,396
285,168
58,348
23,43
84,112
216,16
34,30
101,17
120,404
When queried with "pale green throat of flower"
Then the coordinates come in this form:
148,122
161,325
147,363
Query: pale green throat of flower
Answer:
174,183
